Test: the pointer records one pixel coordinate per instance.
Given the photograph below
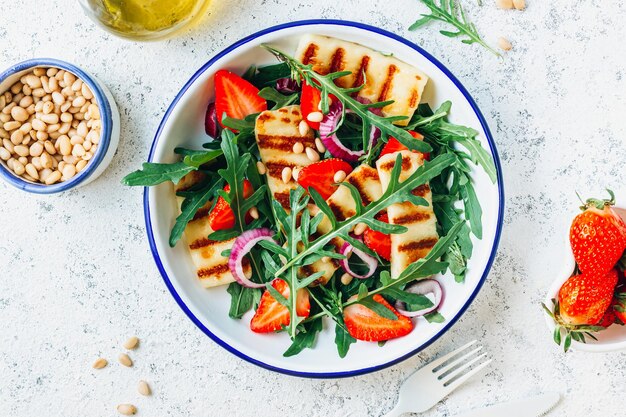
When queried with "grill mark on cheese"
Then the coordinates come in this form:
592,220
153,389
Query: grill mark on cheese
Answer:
427,243
265,117
421,191
391,71
285,119
338,211
283,143
356,181
275,168
358,80
202,212
406,164
282,198
202,243
336,61
309,54
414,99
213,271
283,110
411,218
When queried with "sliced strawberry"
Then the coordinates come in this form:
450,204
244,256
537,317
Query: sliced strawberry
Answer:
309,103
222,217
394,145
378,241
320,175
363,324
271,316
236,97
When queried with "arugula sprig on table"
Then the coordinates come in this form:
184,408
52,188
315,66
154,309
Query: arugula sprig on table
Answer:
452,13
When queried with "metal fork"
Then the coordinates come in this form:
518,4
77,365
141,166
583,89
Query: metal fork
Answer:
432,383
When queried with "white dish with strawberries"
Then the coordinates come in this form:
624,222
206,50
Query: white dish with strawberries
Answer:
326,159
588,301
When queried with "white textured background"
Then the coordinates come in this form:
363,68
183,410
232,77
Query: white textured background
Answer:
77,277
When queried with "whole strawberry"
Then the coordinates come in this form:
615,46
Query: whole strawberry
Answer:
598,237
584,299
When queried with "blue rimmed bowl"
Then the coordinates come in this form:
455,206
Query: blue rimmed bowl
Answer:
110,132
183,125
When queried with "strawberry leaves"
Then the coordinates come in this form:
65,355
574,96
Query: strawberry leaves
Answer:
571,332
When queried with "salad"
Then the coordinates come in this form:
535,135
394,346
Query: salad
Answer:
327,194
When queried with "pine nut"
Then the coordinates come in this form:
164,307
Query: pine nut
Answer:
298,147
39,71
126,409
360,228
16,88
58,98
94,137
36,163
36,149
315,117
33,81
41,135
71,159
504,4
143,388
303,128
312,154
124,359
12,125
68,171
23,160
504,44
21,150
26,102
295,173
99,363
52,178
46,160
80,165
8,108
18,167
38,124
5,155
260,167
44,84
76,139
286,175
32,171
51,72
78,150
319,145
519,4
7,144
44,174
50,119
53,84
254,213
339,176
17,137
86,92
131,343
346,279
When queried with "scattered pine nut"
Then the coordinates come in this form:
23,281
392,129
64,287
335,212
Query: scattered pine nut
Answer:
298,147
504,44
315,116
295,173
326,259
319,145
260,166
100,363
504,4
125,360
312,154
131,343
346,279
519,4
339,176
359,229
254,213
286,175
143,388
126,409
303,128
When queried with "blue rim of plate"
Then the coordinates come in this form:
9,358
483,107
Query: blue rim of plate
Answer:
106,117
492,147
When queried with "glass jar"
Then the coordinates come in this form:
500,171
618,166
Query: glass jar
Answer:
143,19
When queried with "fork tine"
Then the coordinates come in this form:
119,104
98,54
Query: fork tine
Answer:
461,359
434,364
461,369
454,385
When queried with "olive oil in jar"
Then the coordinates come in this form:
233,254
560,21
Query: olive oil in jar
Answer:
144,19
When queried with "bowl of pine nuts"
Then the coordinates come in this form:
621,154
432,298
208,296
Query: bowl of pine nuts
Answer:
59,126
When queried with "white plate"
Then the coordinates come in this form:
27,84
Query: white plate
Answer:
183,125
614,337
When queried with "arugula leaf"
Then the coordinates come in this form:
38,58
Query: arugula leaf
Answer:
280,100
153,173
305,337
242,299
435,317
195,198
343,339
202,157
451,12
269,74
378,308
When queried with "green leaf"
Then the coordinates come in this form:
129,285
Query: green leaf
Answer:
435,317
378,308
557,335
280,100
323,206
225,234
241,299
414,301
473,212
480,156
154,173
305,338
269,74
568,341
343,340
203,157
420,22
191,204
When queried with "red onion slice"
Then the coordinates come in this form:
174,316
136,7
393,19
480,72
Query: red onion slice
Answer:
370,261
242,245
427,286
287,85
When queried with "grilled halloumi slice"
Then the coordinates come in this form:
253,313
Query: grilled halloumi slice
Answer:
276,133
211,267
420,221
386,77
365,179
